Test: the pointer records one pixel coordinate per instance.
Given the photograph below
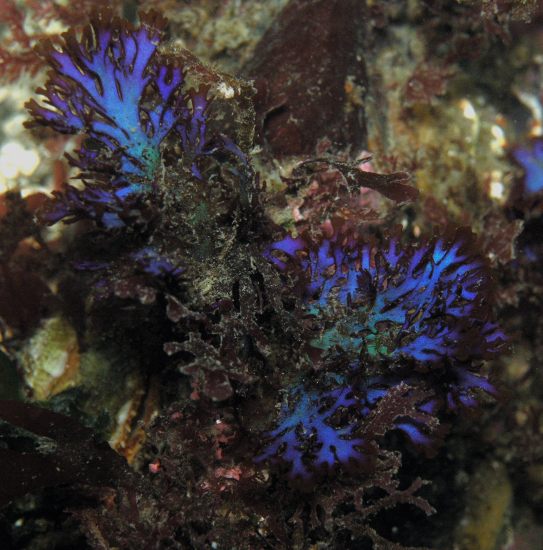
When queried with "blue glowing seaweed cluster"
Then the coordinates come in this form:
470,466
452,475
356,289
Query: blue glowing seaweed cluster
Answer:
424,303
322,431
531,160
112,85
146,260
153,263
420,314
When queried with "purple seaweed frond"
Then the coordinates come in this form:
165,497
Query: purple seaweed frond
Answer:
320,431
464,387
452,388
426,302
317,431
419,424
112,85
98,87
192,127
531,160
141,274
95,202
154,264
408,409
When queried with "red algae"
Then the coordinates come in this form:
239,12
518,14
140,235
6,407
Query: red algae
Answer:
304,67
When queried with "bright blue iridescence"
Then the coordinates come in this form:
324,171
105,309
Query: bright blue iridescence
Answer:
111,84
532,162
307,440
288,245
304,437
376,388
463,390
424,303
127,99
147,260
193,129
413,302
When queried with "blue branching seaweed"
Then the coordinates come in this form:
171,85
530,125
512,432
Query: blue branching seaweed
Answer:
315,432
112,85
319,432
464,388
152,263
426,302
410,321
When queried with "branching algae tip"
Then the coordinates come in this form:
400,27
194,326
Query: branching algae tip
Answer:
394,333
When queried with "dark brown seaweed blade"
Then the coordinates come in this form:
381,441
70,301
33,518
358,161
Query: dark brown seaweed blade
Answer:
303,68
70,453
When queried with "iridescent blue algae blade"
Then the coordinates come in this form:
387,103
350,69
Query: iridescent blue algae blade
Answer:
427,302
419,425
192,129
112,85
98,86
96,202
530,158
319,432
151,262
464,388
307,437
147,260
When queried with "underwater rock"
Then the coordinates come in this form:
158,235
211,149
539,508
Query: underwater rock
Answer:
50,359
488,503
